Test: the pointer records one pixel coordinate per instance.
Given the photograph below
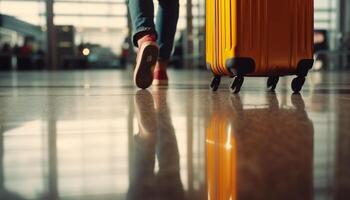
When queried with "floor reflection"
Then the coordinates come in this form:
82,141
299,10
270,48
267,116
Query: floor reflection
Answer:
4,192
155,140
64,141
259,151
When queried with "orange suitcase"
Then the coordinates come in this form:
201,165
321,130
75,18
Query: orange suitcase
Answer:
268,38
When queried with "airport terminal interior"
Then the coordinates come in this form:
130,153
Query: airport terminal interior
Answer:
73,126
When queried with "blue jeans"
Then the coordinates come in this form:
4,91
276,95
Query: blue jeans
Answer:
142,17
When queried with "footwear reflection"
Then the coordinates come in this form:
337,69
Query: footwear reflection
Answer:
155,140
259,151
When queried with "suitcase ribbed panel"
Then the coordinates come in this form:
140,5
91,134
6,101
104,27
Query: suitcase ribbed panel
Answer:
210,27
276,34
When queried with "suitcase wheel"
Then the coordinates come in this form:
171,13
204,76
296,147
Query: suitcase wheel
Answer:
272,83
237,84
297,84
215,82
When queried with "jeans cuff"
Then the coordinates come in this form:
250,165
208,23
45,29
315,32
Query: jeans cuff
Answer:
142,32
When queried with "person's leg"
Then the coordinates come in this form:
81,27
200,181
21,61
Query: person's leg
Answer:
166,22
142,16
144,36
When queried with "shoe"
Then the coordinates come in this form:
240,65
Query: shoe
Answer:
160,77
147,57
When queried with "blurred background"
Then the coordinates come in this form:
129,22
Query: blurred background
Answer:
82,34
95,34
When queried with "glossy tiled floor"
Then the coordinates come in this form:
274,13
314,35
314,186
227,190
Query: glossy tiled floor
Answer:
92,135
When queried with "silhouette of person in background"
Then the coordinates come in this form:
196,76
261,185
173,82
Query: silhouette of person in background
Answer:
24,58
6,48
26,49
6,57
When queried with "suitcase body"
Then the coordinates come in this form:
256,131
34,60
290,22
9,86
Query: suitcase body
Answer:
269,38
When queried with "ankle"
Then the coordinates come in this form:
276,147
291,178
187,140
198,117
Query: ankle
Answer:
161,65
146,38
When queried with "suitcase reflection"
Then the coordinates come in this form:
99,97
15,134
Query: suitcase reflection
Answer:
251,157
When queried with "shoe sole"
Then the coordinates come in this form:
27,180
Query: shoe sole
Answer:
143,74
